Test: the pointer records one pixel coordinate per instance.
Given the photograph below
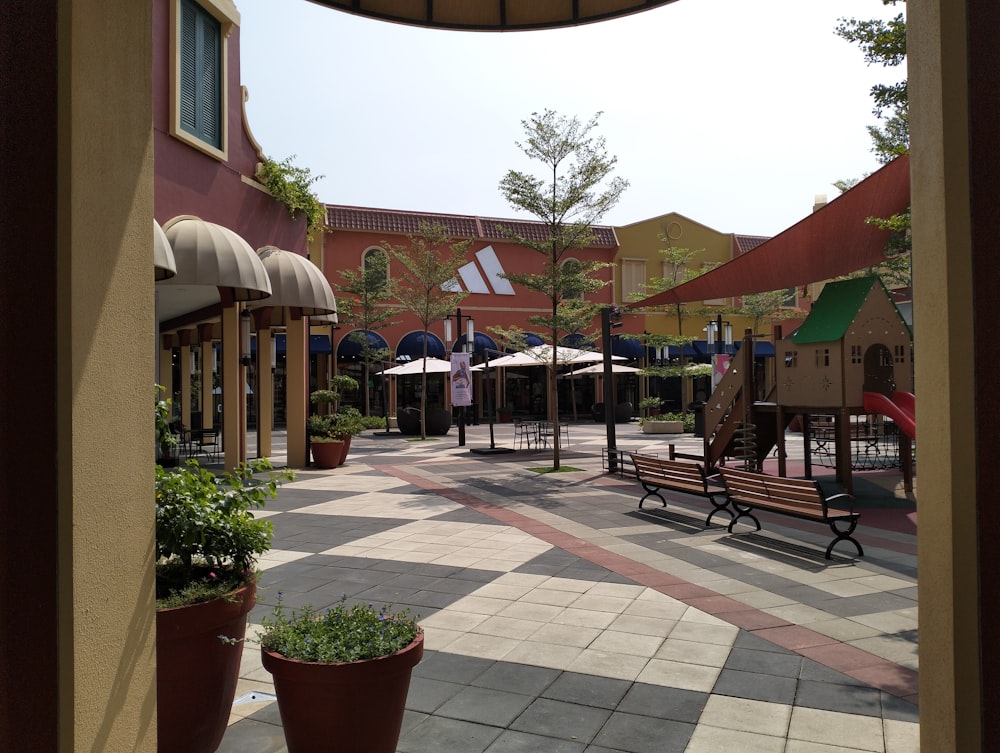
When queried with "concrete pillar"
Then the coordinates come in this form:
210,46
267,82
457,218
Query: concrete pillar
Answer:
297,391
77,671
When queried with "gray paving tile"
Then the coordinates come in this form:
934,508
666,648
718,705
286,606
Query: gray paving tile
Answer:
517,678
466,515
440,735
250,736
568,721
587,690
755,686
485,706
816,672
845,699
644,734
511,741
852,606
765,662
664,703
439,665
427,694
898,710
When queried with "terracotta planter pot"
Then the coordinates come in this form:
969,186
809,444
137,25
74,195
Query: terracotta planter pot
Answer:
347,449
196,673
327,454
351,707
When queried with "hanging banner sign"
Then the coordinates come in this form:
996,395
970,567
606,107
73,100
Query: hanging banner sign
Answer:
720,365
461,379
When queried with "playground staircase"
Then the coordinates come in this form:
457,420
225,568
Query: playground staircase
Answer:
734,428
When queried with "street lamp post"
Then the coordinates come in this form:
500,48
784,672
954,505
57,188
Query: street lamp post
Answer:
611,316
470,347
490,406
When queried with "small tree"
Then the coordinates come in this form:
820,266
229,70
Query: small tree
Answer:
883,42
576,192
368,290
430,263
765,308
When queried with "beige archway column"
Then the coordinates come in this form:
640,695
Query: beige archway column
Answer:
297,389
76,564
232,391
955,412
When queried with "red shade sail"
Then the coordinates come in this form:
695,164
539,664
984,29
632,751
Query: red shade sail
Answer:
832,241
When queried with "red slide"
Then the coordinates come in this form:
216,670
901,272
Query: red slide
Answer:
900,408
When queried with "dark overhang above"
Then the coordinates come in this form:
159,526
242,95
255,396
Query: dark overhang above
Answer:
492,15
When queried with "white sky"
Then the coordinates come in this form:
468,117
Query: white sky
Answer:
733,113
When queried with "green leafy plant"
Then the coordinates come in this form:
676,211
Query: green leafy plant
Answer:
292,186
207,538
166,440
322,429
340,634
651,403
349,421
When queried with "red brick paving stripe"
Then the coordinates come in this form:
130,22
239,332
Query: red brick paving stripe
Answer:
868,668
794,637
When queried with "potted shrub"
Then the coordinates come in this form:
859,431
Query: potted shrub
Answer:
341,676
325,440
348,422
666,423
207,545
651,405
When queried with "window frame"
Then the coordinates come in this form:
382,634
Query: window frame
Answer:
225,12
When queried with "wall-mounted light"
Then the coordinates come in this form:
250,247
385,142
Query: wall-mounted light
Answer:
245,337
470,336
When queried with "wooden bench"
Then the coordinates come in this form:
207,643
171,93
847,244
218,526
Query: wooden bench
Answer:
799,498
678,476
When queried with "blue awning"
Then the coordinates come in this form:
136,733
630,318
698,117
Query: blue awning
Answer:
761,348
579,340
349,347
412,345
483,342
627,348
532,340
318,344
690,351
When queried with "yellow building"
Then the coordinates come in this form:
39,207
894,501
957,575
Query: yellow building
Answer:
640,261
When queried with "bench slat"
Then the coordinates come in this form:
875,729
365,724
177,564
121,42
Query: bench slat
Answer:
656,474
801,498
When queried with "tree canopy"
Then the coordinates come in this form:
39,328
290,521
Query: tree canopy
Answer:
573,194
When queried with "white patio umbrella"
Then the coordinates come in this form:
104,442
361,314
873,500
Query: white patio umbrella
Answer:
598,369
434,366
541,355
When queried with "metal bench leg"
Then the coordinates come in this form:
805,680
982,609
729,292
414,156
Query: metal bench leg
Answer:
844,535
651,491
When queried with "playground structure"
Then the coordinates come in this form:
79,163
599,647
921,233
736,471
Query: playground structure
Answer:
844,371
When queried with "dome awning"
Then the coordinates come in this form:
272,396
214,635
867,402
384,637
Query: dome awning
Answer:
496,15
482,343
210,254
349,347
164,266
412,345
296,283
628,347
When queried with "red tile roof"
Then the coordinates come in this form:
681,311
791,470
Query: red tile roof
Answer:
460,226
746,243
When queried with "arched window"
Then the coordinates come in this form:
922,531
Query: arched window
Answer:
375,258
